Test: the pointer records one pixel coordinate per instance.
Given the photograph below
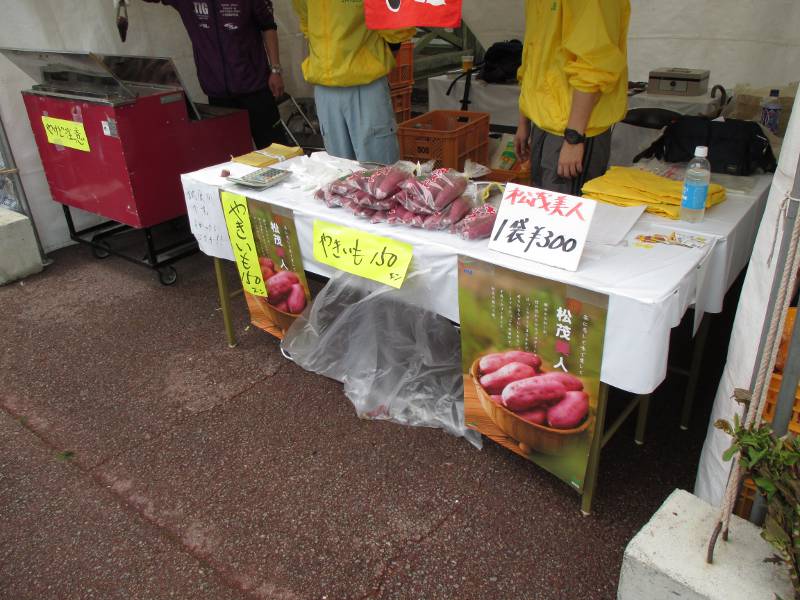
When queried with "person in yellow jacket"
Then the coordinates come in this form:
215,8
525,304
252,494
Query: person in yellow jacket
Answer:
348,65
574,82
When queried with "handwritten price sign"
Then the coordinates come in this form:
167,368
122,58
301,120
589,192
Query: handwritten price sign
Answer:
69,134
237,220
370,256
542,226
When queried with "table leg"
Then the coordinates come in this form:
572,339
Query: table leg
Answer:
694,372
590,484
641,418
225,302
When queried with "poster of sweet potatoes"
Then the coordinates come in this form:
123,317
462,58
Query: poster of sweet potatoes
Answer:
531,352
281,267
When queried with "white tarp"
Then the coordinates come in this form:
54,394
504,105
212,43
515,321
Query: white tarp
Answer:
739,41
712,475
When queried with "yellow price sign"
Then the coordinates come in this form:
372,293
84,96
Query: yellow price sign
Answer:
70,134
370,256
237,220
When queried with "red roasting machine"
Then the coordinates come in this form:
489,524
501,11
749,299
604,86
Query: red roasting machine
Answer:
114,134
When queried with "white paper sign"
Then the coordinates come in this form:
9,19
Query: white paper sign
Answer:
542,226
206,218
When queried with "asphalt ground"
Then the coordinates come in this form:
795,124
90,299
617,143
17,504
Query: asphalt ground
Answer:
140,457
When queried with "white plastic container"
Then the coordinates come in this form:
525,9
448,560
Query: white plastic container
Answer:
695,187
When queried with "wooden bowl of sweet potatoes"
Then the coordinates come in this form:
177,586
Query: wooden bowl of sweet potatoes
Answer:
286,296
530,402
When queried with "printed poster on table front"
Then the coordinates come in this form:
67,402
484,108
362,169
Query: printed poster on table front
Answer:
281,266
531,353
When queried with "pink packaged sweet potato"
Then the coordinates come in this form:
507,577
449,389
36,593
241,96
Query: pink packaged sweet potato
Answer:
380,216
478,223
415,196
396,214
331,200
364,212
368,201
347,184
447,185
435,192
449,216
383,182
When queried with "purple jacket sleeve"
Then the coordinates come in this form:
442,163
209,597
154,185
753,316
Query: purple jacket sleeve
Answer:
264,15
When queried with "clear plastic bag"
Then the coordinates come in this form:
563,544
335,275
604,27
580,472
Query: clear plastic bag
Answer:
398,362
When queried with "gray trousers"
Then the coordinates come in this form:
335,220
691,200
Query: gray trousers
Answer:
545,149
358,122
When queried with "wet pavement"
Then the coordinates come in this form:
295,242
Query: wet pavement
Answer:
140,457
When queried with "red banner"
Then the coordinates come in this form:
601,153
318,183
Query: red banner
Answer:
399,14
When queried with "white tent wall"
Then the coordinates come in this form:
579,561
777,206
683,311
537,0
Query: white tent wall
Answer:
739,41
712,474
744,41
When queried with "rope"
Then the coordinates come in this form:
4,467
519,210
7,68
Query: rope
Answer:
767,364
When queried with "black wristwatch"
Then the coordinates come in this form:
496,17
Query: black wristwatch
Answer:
573,137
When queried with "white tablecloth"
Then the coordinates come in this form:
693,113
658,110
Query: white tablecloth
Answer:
649,289
502,104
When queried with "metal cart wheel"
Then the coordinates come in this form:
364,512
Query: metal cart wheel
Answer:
167,275
100,253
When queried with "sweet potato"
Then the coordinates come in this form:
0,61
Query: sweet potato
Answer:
447,185
570,382
537,415
383,182
570,412
267,267
296,301
478,224
497,399
280,285
532,392
347,184
495,382
365,200
380,217
491,362
282,306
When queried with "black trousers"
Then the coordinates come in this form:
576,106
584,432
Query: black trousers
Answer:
265,126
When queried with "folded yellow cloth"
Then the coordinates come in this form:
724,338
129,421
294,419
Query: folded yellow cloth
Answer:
272,154
626,186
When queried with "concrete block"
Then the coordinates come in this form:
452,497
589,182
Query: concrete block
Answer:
19,255
667,558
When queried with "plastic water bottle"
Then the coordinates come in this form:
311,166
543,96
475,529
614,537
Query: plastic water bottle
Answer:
771,112
695,187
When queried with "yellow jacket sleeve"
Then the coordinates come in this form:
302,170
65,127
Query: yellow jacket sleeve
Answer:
301,8
396,36
590,31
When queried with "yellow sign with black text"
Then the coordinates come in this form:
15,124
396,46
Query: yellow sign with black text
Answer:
237,220
364,254
69,134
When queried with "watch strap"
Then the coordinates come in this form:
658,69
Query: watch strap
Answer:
573,137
